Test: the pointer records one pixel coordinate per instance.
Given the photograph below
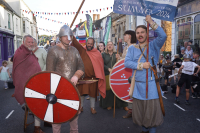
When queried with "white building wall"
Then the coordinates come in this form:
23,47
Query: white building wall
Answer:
15,4
4,20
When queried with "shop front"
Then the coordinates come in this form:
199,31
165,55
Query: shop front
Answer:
6,46
188,25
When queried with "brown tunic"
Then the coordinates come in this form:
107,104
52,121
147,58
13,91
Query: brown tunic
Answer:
87,89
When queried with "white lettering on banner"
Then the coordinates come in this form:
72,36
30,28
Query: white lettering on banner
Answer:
163,14
134,9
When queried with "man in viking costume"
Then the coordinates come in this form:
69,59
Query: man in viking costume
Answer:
25,64
65,60
94,71
146,112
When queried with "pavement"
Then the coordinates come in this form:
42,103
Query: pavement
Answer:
178,119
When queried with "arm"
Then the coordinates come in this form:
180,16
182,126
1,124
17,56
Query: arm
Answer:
197,70
129,63
77,45
8,73
44,56
180,69
105,66
51,60
1,69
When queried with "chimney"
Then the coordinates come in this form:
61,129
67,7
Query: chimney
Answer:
80,20
98,16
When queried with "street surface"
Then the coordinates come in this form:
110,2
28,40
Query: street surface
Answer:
179,118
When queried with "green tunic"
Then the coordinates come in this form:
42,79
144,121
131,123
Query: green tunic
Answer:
109,62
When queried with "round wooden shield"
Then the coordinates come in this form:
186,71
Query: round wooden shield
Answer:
51,97
119,81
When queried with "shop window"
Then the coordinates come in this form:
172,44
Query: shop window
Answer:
9,47
24,28
9,21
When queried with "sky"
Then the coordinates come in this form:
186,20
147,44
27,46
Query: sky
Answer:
61,6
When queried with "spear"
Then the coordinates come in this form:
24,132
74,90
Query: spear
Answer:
147,59
77,13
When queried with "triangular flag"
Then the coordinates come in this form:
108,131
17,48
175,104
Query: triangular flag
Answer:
111,7
107,8
100,9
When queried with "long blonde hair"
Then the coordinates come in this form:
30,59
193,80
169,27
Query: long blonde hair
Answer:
114,49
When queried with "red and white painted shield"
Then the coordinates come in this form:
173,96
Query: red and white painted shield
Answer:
119,81
51,97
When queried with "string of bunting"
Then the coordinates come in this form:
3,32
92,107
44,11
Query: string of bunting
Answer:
47,30
66,13
51,20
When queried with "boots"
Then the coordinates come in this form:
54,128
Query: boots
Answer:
128,115
46,124
93,111
38,130
126,108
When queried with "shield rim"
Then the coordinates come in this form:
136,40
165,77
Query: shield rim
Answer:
67,80
111,86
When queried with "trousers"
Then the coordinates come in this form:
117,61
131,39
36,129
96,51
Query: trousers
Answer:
73,126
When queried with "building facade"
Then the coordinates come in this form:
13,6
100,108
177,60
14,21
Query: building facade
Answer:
187,24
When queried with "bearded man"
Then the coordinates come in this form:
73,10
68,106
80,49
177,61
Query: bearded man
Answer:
65,60
25,64
146,112
94,70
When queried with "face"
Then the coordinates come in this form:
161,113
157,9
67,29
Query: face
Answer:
5,64
188,48
168,61
110,46
53,44
64,40
161,56
185,44
141,35
90,44
195,56
189,43
29,43
182,51
101,47
127,38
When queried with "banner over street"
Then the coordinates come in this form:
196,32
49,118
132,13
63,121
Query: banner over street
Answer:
160,9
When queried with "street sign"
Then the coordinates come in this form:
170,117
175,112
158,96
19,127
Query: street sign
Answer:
51,97
119,81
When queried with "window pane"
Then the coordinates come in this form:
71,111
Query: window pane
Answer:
24,26
9,47
8,21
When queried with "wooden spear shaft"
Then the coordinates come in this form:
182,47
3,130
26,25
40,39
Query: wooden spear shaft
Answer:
114,94
77,13
147,60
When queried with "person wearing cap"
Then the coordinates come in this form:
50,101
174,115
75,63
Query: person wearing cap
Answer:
182,53
177,64
66,60
187,69
167,69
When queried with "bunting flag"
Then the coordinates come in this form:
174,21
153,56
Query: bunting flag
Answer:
89,24
66,13
107,30
47,30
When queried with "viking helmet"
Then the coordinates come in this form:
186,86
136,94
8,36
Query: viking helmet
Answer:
186,56
65,31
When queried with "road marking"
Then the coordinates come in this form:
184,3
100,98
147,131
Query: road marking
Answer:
9,114
198,119
179,107
164,97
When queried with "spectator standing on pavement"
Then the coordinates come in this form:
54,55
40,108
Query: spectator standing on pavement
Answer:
25,64
5,74
177,64
191,45
52,43
182,53
110,57
187,69
41,54
189,51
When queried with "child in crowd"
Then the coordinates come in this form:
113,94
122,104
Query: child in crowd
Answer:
195,94
186,77
5,74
